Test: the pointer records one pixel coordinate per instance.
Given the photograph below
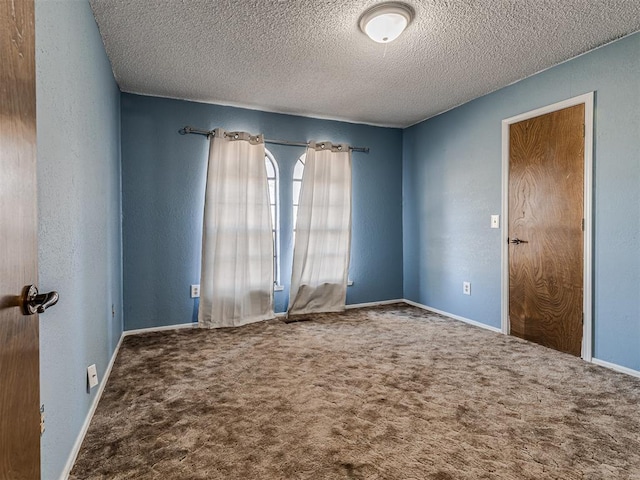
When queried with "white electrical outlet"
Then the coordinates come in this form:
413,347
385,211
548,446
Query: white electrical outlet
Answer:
495,221
92,374
466,288
195,291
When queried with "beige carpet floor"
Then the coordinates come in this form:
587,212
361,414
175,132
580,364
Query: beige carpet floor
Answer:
380,393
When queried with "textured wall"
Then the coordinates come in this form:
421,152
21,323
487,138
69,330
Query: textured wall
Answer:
163,182
78,113
452,184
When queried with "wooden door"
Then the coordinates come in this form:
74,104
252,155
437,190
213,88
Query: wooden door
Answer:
19,348
546,189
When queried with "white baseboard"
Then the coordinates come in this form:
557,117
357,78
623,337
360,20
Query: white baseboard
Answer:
137,331
451,315
374,304
356,305
85,426
87,421
277,314
616,367
595,361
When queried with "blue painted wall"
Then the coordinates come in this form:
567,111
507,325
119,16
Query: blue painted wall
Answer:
78,115
452,184
163,181
428,190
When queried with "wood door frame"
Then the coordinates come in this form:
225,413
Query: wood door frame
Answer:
588,100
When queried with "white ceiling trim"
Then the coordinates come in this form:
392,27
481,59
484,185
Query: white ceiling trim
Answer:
309,57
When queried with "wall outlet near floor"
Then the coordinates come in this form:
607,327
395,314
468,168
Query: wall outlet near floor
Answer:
92,375
195,291
466,288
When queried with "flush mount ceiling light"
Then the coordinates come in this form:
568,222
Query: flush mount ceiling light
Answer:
385,22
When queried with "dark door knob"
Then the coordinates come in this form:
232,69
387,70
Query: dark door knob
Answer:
517,241
33,302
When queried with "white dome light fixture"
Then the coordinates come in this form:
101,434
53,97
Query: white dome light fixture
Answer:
385,22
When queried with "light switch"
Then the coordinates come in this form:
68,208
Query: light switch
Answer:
495,221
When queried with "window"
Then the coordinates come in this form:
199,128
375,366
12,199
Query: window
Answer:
274,204
298,170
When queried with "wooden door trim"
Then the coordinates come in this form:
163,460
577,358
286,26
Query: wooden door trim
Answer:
588,100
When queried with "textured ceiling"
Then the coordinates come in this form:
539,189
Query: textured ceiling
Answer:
308,57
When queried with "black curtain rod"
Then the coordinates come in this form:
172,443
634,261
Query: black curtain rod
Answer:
196,131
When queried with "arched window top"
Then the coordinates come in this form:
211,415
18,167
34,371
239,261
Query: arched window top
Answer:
298,171
273,178
270,163
299,168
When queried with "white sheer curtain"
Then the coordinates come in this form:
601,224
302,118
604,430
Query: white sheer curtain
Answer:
323,231
236,282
